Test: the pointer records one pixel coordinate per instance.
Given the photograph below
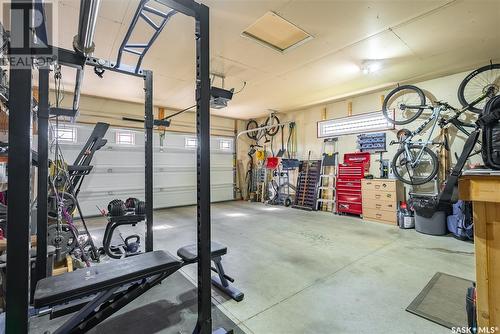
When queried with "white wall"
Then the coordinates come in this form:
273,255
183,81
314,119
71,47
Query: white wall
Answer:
444,89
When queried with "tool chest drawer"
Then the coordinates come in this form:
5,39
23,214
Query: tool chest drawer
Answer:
349,207
347,184
343,197
351,172
342,190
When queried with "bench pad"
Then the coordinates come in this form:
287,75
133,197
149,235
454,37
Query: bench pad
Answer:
190,253
83,282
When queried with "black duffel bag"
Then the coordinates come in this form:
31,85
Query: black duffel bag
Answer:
489,121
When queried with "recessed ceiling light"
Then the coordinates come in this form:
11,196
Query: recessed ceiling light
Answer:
277,33
371,66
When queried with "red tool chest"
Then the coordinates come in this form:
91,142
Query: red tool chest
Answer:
349,178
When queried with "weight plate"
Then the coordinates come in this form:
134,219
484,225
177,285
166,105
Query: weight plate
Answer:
62,239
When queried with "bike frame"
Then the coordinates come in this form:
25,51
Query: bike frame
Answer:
407,142
436,112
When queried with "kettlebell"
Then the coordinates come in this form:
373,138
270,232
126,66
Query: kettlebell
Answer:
132,243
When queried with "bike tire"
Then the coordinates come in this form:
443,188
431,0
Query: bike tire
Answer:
435,166
463,85
271,132
252,124
393,93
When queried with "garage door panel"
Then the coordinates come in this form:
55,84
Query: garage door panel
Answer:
119,169
219,177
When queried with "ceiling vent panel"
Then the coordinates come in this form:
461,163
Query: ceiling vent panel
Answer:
277,33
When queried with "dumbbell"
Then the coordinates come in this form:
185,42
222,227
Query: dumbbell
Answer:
116,208
131,203
139,207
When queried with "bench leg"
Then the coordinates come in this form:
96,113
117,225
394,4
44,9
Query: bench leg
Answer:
222,283
79,316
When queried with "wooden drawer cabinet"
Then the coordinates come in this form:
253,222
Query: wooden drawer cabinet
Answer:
390,206
379,196
380,216
376,185
381,199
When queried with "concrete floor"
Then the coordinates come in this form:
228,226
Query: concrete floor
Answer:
314,272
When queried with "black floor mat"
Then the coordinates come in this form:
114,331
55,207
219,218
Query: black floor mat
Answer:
442,301
170,307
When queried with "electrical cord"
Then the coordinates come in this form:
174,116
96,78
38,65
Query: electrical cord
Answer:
241,89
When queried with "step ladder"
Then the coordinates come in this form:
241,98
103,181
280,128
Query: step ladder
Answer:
326,195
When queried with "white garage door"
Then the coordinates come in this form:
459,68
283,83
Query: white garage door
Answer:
119,168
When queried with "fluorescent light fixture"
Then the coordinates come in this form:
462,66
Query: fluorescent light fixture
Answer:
273,31
369,122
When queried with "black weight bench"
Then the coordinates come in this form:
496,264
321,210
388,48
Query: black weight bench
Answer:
189,255
98,292
102,282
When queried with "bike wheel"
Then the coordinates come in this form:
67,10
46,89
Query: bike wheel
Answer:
484,81
423,172
252,124
403,104
272,120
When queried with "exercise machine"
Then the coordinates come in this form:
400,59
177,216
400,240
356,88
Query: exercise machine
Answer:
145,269
130,212
65,183
98,292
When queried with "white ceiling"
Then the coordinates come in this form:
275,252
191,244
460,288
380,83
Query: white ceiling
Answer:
413,39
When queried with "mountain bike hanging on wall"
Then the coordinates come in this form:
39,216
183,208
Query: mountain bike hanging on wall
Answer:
257,135
415,163
274,125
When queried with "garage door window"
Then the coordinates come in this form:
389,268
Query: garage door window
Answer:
66,134
191,143
125,138
225,144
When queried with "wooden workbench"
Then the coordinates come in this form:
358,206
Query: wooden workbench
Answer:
3,243
484,192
